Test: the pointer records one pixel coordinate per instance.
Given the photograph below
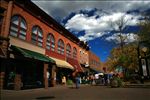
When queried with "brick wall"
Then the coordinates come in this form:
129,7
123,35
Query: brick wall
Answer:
31,20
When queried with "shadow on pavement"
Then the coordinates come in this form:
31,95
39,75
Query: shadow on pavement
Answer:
45,97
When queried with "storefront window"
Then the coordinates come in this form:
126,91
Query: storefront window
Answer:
18,27
60,47
68,50
74,53
37,36
50,44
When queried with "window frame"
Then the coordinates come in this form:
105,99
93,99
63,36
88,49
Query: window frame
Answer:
16,30
37,40
51,42
74,52
68,50
61,47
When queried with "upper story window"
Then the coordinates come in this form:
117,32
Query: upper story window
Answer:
60,46
68,50
50,43
37,36
74,52
18,27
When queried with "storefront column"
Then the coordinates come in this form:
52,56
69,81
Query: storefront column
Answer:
17,82
45,76
2,72
53,76
2,76
7,20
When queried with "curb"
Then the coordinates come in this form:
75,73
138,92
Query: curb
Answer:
137,86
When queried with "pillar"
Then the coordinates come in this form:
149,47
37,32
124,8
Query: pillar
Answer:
7,19
4,41
45,75
53,76
2,72
2,76
17,81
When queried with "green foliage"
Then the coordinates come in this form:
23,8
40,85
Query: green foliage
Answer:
69,82
127,59
144,33
116,82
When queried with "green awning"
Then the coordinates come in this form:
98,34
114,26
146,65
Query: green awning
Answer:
32,54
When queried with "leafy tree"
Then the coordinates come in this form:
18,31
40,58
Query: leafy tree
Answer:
128,59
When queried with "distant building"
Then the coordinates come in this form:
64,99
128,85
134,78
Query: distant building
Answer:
94,62
84,57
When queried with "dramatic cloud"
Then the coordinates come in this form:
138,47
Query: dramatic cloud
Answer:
128,38
97,27
64,7
89,20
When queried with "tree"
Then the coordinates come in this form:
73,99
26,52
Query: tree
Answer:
144,33
118,26
128,60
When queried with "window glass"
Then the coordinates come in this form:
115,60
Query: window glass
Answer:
18,27
37,36
60,47
74,53
68,50
50,42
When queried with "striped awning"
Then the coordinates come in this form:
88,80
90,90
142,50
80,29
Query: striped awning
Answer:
62,63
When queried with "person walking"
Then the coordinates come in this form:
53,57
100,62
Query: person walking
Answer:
64,80
77,81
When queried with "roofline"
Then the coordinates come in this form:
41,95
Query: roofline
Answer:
47,19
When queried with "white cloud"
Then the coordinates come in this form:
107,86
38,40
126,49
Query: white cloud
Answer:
96,27
130,37
93,27
64,7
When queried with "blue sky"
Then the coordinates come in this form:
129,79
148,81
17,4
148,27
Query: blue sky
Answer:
91,21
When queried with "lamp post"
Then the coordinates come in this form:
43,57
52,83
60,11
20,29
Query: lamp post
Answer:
143,62
144,49
140,65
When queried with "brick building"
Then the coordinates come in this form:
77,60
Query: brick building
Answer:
35,51
84,57
94,62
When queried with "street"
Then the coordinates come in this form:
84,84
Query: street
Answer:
85,92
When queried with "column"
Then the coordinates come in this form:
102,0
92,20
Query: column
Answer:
2,72
45,75
2,76
53,75
7,19
17,82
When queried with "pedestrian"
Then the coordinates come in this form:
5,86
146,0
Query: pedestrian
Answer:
64,80
48,77
105,79
77,81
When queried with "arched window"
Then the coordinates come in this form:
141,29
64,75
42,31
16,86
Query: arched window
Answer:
50,43
37,36
18,27
68,50
60,46
74,53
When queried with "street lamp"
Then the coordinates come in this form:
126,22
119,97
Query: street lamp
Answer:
144,49
143,63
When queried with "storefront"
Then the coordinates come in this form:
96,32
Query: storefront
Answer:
26,69
63,69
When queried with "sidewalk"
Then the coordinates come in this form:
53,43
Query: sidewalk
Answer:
137,85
